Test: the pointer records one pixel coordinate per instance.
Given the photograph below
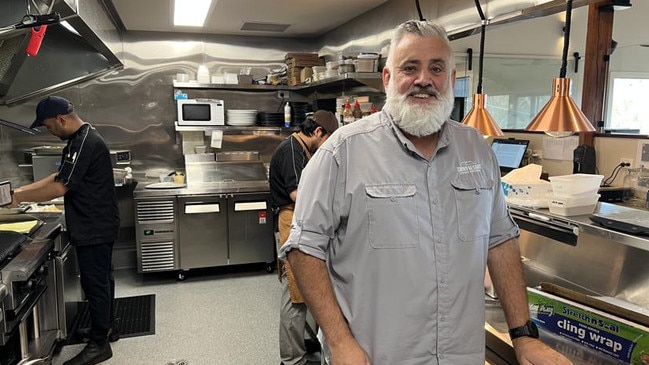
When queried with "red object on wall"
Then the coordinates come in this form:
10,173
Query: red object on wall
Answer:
35,40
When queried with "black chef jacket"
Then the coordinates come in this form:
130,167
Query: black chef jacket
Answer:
91,212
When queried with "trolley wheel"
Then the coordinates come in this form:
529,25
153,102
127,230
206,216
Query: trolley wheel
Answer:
270,267
181,276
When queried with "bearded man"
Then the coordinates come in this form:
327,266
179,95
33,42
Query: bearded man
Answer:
398,215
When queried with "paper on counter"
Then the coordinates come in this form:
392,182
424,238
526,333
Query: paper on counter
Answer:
20,227
559,148
217,139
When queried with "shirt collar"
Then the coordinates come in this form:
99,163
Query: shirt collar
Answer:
407,145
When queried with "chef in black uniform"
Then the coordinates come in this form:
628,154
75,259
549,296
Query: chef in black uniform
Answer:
85,179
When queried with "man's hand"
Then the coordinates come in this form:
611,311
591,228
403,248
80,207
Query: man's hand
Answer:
530,351
348,352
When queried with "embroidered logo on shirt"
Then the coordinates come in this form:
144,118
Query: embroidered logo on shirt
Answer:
467,167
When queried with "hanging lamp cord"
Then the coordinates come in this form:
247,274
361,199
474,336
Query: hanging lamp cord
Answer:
482,37
566,40
421,16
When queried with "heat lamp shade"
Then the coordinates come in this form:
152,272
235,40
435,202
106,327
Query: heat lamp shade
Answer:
561,113
480,119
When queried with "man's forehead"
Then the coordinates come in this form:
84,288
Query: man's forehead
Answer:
413,46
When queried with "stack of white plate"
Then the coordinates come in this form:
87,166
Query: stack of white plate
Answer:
242,117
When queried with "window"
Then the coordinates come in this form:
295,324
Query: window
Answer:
626,109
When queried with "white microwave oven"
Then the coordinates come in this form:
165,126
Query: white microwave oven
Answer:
200,112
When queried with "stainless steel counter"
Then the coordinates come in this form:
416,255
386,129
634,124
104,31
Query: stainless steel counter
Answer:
585,225
225,187
578,254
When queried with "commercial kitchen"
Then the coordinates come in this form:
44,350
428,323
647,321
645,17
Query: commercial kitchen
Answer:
196,223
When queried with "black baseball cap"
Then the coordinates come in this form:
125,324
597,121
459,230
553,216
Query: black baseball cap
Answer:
50,107
326,120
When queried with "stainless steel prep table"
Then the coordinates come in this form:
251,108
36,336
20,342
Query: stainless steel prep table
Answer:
576,253
204,225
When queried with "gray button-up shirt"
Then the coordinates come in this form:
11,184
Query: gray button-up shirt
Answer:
405,239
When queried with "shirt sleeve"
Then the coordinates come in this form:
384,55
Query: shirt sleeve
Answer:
75,163
317,215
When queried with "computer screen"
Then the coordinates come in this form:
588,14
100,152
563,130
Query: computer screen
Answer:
510,152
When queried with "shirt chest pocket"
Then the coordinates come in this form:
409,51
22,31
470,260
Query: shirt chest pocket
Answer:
473,198
392,215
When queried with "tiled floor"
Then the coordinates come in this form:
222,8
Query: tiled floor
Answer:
219,316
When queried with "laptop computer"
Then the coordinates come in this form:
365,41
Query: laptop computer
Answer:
510,152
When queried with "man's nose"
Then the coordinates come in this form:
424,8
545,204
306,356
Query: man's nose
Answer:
424,78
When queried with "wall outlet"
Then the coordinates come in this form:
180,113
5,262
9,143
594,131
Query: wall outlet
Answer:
627,160
282,94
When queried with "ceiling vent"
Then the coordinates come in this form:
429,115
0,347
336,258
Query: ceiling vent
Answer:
264,27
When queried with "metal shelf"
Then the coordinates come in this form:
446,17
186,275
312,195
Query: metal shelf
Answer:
229,128
340,82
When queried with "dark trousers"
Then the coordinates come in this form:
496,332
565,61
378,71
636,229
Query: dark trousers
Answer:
96,269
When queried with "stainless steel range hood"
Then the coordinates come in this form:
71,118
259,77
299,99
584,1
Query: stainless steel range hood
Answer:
460,17
79,51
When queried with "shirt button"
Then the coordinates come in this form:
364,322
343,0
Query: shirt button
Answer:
442,356
443,279
443,319
439,240
393,199
435,201
462,236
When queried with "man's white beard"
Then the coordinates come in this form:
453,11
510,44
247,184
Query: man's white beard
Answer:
418,120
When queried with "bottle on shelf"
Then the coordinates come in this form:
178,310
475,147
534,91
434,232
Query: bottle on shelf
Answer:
287,115
357,112
348,116
373,109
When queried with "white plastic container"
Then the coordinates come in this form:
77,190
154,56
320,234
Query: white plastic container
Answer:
575,185
568,206
203,75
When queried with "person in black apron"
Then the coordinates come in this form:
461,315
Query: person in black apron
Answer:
286,165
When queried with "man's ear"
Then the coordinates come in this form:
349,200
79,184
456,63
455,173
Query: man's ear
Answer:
386,77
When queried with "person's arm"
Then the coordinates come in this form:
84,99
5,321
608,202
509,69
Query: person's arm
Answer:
39,191
506,272
293,195
315,286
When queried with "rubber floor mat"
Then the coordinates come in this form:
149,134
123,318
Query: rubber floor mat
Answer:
136,314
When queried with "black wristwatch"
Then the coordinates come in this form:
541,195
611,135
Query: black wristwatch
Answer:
527,330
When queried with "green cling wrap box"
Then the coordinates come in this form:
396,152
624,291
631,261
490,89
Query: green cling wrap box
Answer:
606,333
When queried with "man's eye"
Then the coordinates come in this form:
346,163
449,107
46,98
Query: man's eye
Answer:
409,69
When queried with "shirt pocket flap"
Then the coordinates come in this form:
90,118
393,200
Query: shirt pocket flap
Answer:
472,181
390,191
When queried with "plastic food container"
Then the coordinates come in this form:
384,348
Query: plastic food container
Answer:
575,185
568,206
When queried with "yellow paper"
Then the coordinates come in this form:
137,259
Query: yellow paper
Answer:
20,227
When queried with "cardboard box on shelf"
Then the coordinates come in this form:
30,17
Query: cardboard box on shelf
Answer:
305,73
616,337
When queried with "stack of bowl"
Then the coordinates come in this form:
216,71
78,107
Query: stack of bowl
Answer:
574,194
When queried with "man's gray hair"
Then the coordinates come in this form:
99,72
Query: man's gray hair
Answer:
420,28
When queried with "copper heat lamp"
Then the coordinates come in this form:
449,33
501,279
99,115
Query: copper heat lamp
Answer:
561,116
478,117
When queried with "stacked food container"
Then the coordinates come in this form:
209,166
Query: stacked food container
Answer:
574,194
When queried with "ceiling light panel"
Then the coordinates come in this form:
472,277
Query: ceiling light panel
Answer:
191,13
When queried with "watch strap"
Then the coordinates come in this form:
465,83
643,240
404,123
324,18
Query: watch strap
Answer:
529,329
